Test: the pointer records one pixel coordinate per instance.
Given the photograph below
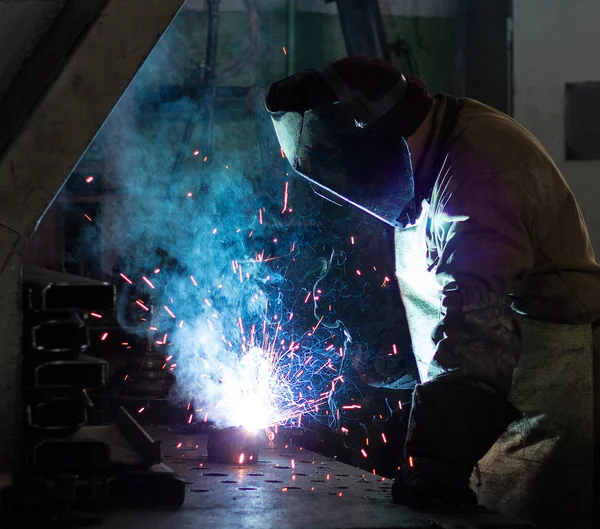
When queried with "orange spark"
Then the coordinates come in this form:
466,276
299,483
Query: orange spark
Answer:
317,325
142,305
148,282
285,198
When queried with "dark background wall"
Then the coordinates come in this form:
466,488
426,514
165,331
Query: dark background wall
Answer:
488,68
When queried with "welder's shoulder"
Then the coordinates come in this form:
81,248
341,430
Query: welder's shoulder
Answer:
487,145
491,141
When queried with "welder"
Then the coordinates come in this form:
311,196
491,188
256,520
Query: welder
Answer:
497,276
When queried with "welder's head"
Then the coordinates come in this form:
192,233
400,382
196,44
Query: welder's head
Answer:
344,128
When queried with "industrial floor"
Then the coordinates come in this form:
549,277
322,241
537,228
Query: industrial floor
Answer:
288,488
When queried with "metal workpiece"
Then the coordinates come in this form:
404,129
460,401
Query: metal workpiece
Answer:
153,486
63,455
57,413
57,334
288,487
47,290
92,470
149,449
233,446
83,371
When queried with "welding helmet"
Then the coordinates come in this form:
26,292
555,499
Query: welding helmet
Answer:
345,151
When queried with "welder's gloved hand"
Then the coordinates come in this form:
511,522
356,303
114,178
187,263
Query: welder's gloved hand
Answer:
376,368
422,482
386,364
451,428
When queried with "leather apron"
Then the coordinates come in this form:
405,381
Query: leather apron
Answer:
541,469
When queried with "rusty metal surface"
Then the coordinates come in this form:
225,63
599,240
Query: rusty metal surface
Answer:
289,487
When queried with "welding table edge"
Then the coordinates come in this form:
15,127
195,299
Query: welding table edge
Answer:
220,495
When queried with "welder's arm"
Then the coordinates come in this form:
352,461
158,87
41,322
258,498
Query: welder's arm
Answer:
484,250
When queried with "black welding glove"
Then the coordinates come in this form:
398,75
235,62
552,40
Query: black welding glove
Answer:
451,428
379,367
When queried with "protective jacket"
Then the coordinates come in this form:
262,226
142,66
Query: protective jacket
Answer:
500,284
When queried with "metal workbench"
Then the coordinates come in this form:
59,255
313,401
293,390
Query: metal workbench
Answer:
288,488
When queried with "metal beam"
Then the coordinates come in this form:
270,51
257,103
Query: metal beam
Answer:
362,28
33,167
43,64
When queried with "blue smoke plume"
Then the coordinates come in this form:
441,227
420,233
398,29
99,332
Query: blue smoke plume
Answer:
215,264
220,260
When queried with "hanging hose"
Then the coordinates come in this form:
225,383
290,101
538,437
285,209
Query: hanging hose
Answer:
210,80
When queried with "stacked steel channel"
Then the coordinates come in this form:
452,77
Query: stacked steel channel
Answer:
139,374
58,373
